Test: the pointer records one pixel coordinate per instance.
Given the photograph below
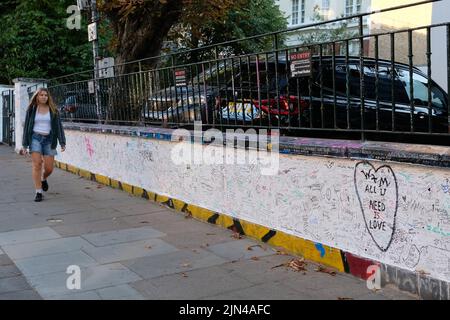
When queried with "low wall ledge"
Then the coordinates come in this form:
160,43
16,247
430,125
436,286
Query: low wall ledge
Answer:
438,156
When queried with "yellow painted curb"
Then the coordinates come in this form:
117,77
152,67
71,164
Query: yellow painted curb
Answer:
102,179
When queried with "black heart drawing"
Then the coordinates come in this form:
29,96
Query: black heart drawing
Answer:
377,192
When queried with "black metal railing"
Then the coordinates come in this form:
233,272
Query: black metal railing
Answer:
32,89
329,91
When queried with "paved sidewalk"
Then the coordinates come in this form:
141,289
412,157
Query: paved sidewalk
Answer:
131,248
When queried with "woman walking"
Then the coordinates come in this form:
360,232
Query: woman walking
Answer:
41,133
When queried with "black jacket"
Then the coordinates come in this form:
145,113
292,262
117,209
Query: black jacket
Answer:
56,132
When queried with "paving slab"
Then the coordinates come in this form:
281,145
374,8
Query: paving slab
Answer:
191,285
9,271
176,262
55,284
129,250
240,250
122,292
21,295
120,236
23,236
47,247
90,227
13,284
52,263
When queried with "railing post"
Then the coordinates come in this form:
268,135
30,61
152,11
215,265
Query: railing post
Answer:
411,86
275,41
361,63
448,75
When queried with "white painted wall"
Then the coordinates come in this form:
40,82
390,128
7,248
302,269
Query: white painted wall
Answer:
315,198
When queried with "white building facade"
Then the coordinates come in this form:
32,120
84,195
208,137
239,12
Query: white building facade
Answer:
306,12
302,12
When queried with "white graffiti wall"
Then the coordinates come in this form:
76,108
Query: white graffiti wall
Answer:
395,213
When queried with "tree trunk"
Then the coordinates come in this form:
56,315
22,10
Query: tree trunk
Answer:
140,30
141,33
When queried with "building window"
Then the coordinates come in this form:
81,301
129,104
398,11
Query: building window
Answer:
352,7
295,12
348,7
358,6
303,11
325,9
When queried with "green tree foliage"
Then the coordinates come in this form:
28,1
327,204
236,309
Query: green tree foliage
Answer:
35,41
242,19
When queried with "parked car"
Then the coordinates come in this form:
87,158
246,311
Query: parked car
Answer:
78,105
393,111
177,104
265,93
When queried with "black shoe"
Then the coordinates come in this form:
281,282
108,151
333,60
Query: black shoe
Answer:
38,197
44,185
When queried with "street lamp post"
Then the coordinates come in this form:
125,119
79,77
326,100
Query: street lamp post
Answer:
93,37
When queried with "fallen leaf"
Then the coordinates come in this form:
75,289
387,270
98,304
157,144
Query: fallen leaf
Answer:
186,265
144,222
184,275
255,258
148,247
236,235
325,270
188,215
297,264
281,253
99,186
251,247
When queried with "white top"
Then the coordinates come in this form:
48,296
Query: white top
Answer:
42,123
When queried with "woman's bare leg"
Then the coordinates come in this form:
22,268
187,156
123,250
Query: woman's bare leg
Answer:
48,166
36,159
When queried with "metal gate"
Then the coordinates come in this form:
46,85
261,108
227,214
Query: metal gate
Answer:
8,117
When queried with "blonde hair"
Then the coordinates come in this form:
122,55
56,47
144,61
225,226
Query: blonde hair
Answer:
50,102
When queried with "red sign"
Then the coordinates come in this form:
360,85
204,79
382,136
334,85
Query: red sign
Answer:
300,64
180,73
300,56
180,77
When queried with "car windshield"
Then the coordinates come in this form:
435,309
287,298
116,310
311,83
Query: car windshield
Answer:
237,67
420,90
71,100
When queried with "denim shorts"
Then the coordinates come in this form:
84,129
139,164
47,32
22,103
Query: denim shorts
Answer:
42,144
